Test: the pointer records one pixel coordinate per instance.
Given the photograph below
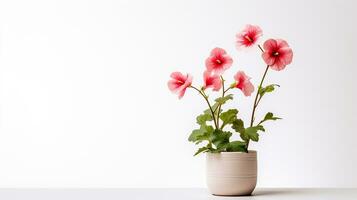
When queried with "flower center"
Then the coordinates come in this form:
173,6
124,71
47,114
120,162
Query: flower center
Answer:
218,61
275,53
180,81
248,38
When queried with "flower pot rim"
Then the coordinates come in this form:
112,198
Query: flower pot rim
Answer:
235,152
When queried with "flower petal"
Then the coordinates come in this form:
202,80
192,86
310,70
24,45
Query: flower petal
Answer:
179,83
212,81
178,76
188,80
277,54
243,83
218,51
181,93
248,89
218,61
287,55
209,64
268,59
248,36
228,61
173,85
278,65
270,44
281,43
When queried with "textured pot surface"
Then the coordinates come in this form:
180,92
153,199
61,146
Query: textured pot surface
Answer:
231,173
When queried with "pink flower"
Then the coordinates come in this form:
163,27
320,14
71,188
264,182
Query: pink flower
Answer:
179,83
243,83
218,61
248,36
277,54
212,81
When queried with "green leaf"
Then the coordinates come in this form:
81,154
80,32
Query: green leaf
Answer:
223,100
198,142
253,136
267,89
202,119
199,135
228,117
201,150
220,138
269,116
236,146
194,134
214,108
252,132
244,136
238,126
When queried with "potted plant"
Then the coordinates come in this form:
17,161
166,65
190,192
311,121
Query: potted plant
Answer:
231,166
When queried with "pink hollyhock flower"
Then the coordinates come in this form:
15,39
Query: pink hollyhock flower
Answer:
179,83
212,81
218,61
277,54
248,36
243,83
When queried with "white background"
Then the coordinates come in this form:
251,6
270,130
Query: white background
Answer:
84,99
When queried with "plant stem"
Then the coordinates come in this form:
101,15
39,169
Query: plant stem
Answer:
225,91
256,101
257,95
219,107
208,103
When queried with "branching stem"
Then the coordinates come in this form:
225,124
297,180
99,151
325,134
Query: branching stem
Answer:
208,103
257,96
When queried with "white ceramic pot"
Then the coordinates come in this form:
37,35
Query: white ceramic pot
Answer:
231,173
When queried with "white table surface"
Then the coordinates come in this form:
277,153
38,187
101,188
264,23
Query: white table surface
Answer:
174,194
